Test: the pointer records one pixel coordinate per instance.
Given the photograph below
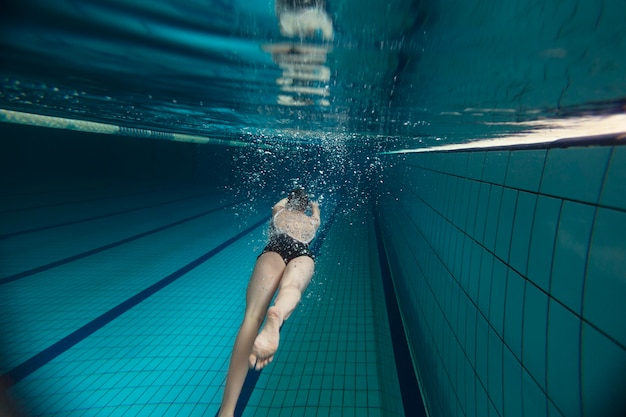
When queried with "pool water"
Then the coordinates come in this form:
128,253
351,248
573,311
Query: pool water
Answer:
469,164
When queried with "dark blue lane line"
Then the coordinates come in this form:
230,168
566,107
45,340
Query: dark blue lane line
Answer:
73,258
85,200
31,365
409,387
102,216
253,376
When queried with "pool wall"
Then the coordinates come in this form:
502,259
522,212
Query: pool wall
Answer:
509,268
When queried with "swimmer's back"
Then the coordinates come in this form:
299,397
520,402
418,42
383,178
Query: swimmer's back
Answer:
295,224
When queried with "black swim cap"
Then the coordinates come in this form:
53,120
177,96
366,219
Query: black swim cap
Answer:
298,199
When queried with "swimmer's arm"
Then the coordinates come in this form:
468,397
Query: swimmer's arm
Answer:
315,213
279,206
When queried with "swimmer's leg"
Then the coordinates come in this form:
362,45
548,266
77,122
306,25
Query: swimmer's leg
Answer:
261,288
295,279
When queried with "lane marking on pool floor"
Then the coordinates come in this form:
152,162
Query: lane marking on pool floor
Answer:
413,404
101,216
44,357
82,255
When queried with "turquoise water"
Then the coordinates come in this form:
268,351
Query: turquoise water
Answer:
403,74
143,145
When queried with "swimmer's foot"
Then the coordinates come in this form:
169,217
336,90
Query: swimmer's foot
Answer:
266,343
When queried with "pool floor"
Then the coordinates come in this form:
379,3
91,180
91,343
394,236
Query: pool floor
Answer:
125,299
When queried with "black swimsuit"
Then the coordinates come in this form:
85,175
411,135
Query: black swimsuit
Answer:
287,247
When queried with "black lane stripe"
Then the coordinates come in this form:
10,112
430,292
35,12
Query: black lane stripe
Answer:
73,258
31,365
409,387
102,216
85,200
253,376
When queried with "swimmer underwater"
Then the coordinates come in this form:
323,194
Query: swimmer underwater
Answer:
286,264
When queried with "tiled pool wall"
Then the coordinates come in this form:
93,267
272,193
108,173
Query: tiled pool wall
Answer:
510,272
